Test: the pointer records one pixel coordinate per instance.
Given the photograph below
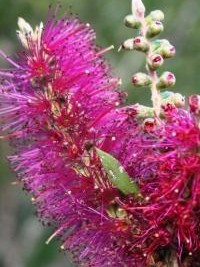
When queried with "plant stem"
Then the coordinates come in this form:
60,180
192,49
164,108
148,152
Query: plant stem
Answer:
155,93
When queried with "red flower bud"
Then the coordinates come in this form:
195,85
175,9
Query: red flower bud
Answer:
194,104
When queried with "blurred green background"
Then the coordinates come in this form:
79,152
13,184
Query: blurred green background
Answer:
22,237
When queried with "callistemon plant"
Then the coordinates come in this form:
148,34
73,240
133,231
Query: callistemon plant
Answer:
120,184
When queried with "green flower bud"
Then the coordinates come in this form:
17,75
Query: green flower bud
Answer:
141,79
173,98
157,15
164,48
155,61
132,22
140,44
168,51
167,79
154,29
144,112
166,94
128,45
158,43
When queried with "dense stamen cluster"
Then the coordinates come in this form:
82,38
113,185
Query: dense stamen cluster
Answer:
121,185
52,102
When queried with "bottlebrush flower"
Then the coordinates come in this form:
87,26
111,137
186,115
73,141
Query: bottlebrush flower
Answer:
51,103
60,74
166,163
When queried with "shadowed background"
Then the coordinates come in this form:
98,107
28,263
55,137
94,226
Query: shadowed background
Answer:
22,237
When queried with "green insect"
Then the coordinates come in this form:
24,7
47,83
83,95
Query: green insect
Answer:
117,174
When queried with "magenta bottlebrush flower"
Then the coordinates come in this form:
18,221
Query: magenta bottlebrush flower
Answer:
164,160
166,163
60,74
51,103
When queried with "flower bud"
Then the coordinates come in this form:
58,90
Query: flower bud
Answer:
149,125
156,15
140,44
158,43
144,111
141,79
138,8
194,104
167,79
155,61
164,48
168,51
172,98
128,45
154,29
132,22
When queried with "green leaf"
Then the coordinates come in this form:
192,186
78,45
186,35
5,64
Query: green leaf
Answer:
116,173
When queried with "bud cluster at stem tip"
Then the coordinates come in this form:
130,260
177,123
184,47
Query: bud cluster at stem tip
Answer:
156,50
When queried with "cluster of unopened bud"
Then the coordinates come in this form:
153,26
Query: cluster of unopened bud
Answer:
154,27
167,98
166,80
156,50
154,23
